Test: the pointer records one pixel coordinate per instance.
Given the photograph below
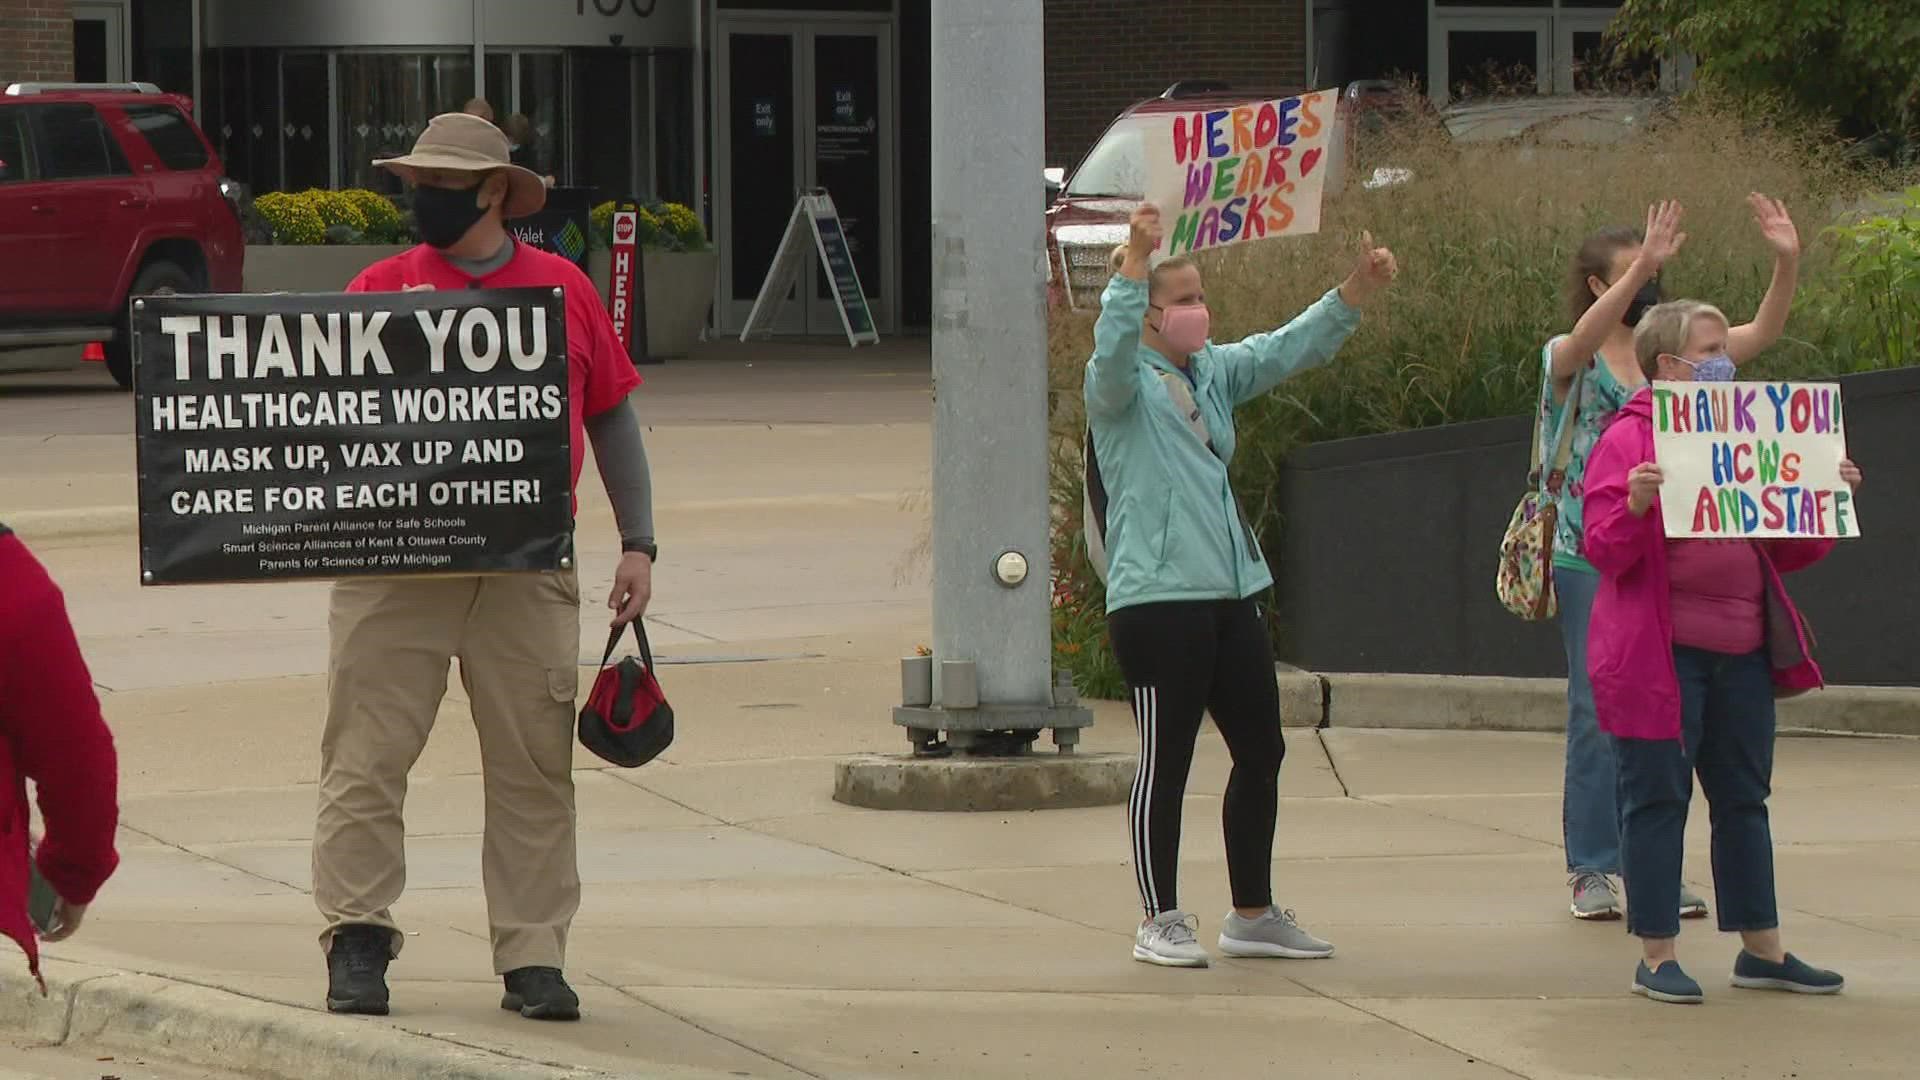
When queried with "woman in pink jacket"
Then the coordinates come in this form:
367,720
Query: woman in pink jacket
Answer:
1691,641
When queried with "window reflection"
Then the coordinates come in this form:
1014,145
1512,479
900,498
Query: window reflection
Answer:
386,100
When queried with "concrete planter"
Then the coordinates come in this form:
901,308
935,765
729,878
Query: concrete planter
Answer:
679,295
304,268
1388,547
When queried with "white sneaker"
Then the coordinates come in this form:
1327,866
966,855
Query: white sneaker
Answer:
1272,934
1169,941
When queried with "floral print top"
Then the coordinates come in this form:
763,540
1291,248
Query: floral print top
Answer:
1601,395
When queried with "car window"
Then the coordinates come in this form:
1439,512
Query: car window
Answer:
173,139
13,145
74,144
1117,166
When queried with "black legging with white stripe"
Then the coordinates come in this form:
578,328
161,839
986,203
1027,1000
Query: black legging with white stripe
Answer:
1183,660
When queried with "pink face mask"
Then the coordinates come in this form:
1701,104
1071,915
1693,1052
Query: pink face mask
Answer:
1185,326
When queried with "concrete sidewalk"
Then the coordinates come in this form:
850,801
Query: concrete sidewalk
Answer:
737,921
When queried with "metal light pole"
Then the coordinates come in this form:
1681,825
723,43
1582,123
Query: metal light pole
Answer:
989,684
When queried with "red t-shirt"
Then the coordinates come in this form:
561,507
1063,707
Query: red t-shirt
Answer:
600,375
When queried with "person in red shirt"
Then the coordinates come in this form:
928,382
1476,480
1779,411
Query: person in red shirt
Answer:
516,635
51,732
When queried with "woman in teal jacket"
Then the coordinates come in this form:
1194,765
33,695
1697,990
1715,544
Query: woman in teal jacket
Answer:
1182,569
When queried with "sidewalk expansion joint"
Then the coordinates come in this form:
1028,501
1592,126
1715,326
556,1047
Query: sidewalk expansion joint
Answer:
704,1029
182,849
1333,763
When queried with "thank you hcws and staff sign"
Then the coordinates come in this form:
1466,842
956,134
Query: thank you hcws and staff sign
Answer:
335,435
1752,460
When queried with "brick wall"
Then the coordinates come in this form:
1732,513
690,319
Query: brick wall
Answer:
1103,55
36,41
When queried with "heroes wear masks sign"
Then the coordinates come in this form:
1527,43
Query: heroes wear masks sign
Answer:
336,435
1229,176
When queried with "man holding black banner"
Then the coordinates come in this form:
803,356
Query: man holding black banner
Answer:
516,636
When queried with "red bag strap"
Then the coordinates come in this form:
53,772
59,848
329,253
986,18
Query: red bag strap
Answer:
639,635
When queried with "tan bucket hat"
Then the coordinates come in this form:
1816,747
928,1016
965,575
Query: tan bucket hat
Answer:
467,143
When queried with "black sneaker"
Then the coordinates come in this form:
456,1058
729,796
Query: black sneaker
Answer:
540,993
357,970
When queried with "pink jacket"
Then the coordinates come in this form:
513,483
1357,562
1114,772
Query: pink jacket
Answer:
1636,692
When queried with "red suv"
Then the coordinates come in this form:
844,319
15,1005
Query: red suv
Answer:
107,192
1089,211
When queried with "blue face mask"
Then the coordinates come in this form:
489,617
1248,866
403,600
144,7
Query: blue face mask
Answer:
1712,369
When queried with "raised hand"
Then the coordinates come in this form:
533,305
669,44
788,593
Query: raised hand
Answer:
1144,239
1664,238
1373,270
1776,225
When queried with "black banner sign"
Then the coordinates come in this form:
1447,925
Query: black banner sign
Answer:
333,435
561,227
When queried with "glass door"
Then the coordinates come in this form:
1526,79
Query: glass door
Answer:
804,106
1584,64
1481,55
850,154
306,127
100,41
759,174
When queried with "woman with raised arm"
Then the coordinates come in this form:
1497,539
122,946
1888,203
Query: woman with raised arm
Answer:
1182,570
1614,280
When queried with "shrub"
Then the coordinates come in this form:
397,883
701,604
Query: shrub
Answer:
1484,233
293,218
662,225
680,228
332,217
338,212
1873,304
385,224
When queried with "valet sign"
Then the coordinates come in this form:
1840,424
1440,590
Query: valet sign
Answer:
350,435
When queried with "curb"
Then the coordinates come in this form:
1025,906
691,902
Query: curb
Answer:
1495,703
73,523
1303,698
199,1025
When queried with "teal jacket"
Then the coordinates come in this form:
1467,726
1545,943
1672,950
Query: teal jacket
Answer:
1173,529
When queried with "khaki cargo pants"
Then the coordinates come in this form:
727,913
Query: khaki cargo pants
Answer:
517,640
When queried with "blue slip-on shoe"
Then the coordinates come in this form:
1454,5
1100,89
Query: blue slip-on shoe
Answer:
1795,976
1668,984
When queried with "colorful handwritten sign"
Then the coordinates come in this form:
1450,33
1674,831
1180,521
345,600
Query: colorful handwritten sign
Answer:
1230,176
1752,460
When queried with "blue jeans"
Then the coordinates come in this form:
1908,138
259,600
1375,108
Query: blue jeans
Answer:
1589,812
1726,734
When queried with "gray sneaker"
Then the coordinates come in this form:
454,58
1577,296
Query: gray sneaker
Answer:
1593,897
1273,934
1692,905
1168,940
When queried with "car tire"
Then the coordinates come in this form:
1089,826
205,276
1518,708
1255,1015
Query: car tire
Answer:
154,279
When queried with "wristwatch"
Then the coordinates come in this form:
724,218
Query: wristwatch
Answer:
645,547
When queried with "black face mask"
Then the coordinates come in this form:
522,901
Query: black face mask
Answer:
1647,297
445,214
